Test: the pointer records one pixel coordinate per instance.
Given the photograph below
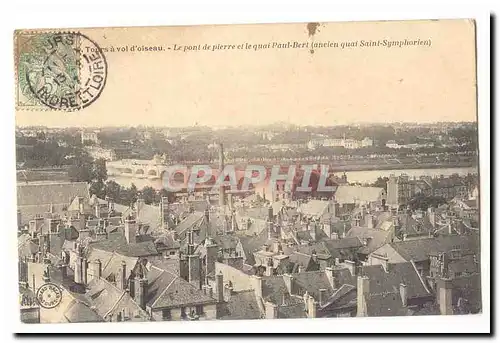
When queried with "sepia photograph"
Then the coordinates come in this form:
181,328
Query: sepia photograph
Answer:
248,172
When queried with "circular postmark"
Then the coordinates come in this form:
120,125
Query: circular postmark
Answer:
63,71
49,295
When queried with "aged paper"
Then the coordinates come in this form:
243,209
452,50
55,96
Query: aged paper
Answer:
309,170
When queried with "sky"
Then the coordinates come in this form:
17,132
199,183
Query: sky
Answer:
332,86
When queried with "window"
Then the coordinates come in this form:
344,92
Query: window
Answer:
172,252
166,315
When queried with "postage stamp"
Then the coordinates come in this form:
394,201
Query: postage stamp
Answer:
58,71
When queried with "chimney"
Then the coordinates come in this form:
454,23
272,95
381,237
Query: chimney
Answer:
222,191
46,275
351,265
312,231
312,308
97,208
23,272
230,200
84,271
64,270
96,269
139,205
140,291
322,296
228,291
219,287
363,292
164,212
130,230
289,283
403,291
257,285
445,296
207,220
111,205
19,218
329,271
123,276
79,270
271,310
270,214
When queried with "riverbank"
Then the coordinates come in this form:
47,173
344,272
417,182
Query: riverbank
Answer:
392,166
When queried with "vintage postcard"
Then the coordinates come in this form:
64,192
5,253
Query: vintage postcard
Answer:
263,171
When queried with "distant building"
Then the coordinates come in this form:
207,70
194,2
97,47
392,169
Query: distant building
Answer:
90,136
101,153
339,142
400,189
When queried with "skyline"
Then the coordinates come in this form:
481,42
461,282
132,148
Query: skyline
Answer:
219,127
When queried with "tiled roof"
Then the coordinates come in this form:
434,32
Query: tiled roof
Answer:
378,238
385,305
241,305
227,241
292,311
50,193
312,282
116,242
188,223
170,290
251,245
314,208
109,300
384,282
79,312
112,261
344,296
420,249
273,288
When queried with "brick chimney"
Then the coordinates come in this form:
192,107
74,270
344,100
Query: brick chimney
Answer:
271,310
322,296
123,276
222,190
97,209
289,283
351,266
164,212
96,269
130,229
139,205
194,266
330,274
228,291
23,272
403,291
312,307
363,292
219,287
257,285
140,291
445,298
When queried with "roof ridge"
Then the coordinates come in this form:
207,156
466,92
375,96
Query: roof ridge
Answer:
116,303
419,276
163,292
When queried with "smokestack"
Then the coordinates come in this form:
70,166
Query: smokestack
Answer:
222,191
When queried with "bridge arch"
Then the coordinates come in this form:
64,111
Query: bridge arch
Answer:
152,172
139,171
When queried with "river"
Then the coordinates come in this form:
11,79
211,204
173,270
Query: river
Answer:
372,175
367,176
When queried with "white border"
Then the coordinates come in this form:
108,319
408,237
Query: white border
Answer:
91,13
